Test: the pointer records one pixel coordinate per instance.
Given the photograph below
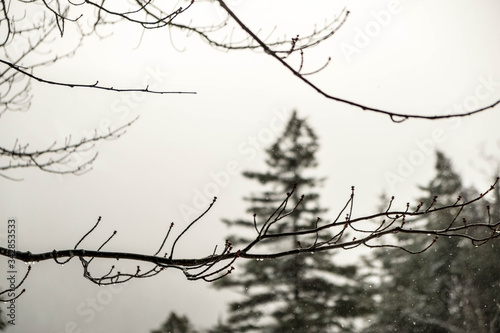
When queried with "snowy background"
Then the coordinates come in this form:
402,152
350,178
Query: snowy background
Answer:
431,57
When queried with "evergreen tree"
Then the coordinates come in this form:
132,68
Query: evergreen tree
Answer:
2,321
176,324
220,327
302,293
453,286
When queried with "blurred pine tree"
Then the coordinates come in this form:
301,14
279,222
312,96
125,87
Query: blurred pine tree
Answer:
452,287
302,293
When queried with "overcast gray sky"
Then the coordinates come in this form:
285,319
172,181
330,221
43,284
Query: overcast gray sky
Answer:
430,57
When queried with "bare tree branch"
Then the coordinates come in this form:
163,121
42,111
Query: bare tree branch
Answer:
368,231
56,158
14,288
95,85
395,116
149,15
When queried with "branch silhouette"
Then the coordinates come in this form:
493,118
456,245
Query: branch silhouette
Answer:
149,15
57,159
94,85
345,234
394,115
